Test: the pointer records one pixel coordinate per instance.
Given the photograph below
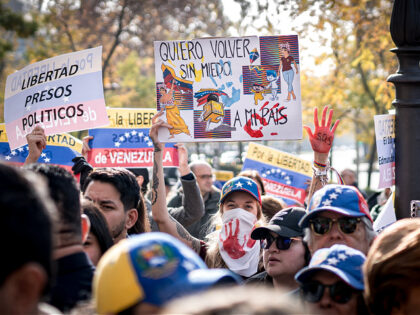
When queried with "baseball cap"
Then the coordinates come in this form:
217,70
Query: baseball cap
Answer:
240,183
154,268
341,260
346,200
284,223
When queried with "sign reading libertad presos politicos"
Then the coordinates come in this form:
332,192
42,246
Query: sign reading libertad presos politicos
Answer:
62,94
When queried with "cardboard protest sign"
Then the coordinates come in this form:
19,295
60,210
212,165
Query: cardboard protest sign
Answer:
387,215
385,144
60,150
125,142
284,175
229,89
61,94
221,177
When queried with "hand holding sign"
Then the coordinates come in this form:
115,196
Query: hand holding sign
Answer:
153,133
37,141
86,148
322,137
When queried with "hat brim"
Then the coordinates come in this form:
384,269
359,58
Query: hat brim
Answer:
307,272
304,222
240,189
262,232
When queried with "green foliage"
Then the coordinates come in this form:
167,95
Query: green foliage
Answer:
13,23
135,89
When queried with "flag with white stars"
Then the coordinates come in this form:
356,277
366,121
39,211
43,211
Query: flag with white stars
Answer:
126,147
385,144
284,175
60,150
221,177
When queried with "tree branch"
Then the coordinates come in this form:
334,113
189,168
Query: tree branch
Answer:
117,36
68,33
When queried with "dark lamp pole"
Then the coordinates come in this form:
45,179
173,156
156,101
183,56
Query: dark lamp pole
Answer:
405,32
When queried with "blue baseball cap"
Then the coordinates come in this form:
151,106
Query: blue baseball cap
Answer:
154,268
341,260
240,183
346,200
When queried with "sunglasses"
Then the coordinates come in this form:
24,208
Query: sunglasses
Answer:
340,292
282,243
321,225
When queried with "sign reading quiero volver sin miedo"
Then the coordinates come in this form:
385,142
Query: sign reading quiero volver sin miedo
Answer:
229,89
61,94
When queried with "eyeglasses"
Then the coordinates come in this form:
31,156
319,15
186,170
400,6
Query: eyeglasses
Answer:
205,176
282,243
321,225
340,292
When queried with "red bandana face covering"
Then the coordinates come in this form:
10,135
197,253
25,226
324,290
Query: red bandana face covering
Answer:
240,253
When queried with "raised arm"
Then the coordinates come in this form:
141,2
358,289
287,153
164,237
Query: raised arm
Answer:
321,141
37,141
159,210
192,208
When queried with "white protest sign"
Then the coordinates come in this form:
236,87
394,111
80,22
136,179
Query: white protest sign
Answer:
229,89
386,216
61,94
385,144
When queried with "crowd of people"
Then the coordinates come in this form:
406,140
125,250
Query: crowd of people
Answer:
111,242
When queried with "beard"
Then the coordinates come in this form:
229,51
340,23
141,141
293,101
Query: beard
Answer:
118,229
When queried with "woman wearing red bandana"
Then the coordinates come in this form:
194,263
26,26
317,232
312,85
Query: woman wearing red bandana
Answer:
230,245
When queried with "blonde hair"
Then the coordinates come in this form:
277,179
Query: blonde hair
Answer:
213,257
392,267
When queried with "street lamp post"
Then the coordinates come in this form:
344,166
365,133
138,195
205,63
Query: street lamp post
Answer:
405,32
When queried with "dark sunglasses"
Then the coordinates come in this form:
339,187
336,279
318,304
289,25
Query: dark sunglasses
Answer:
340,292
282,243
321,225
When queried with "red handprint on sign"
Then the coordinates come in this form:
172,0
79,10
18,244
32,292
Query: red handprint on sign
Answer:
231,244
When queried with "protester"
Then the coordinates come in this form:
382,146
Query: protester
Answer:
284,252
271,205
187,212
26,217
74,270
209,193
246,300
392,270
99,239
240,208
116,193
333,281
350,178
139,275
338,214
